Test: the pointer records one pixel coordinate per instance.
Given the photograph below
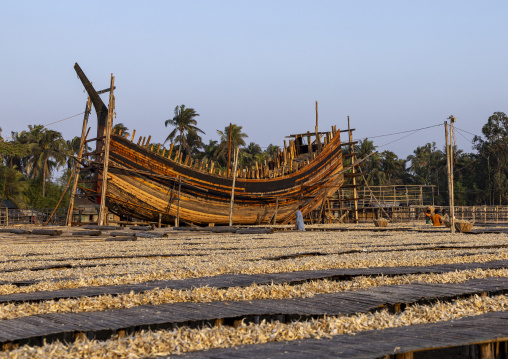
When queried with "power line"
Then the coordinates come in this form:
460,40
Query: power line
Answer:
398,133
472,134
52,123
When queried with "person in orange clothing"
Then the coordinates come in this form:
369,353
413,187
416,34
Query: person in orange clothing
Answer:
436,220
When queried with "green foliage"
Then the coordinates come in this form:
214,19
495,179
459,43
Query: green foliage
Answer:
494,147
185,132
13,186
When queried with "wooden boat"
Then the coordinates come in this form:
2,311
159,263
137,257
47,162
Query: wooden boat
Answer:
153,183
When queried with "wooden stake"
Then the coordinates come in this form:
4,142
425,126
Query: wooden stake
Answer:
178,202
309,140
148,140
133,134
233,188
105,163
170,150
318,141
88,108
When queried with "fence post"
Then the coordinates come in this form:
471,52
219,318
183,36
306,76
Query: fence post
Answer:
7,216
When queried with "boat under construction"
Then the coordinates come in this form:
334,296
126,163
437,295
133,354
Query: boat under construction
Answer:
136,179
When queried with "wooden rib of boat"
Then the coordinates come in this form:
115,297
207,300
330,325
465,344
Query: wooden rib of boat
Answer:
143,182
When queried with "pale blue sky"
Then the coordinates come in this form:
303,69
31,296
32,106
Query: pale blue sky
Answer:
389,65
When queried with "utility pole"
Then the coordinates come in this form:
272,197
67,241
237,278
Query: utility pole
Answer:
449,170
353,159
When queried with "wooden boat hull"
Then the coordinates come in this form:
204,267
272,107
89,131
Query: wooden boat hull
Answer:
143,184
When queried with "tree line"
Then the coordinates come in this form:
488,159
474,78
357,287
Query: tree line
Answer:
29,159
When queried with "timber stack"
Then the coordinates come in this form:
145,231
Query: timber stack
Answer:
136,179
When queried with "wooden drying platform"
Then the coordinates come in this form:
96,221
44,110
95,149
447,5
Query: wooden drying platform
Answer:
35,329
243,280
484,330
430,248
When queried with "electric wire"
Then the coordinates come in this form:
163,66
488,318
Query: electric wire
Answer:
52,123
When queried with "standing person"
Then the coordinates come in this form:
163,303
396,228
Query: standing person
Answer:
300,226
428,217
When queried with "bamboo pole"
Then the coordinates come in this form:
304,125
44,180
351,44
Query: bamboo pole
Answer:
88,108
233,187
105,163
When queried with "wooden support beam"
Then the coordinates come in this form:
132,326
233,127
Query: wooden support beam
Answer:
148,141
70,209
133,134
104,91
105,163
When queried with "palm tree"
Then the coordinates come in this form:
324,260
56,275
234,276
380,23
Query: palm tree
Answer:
48,151
184,125
237,140
195,142
250,154
121,127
